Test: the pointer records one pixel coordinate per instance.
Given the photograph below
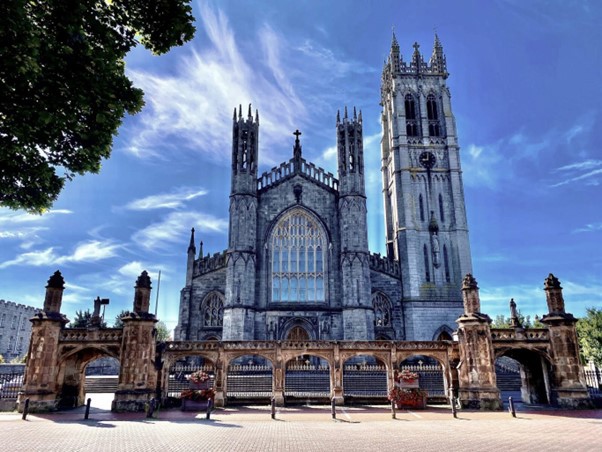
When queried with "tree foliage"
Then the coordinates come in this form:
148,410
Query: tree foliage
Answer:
118,319
589,330
163,333
501,321
63,88
82,320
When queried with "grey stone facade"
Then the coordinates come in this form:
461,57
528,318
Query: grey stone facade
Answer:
298,265
15,329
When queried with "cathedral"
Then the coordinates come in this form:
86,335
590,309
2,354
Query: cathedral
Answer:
298,266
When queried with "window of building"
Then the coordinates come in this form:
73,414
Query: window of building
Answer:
410,110
14,324
298,259
382,310
2,319
421,207
212,309
446,264
441,211
427,272
432,116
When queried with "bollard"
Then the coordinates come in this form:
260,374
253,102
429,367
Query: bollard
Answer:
333,409
273,404
393,412
209,406
453,408
87,414
151,408
25,409
511,407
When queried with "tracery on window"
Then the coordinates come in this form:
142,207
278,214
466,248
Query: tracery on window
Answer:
298,259
382,310
433,116
212,310
410,111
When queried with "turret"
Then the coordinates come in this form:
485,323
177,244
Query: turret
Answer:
554,296
350,154
245,134
437,62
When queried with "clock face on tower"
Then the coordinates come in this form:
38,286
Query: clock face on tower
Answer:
427,159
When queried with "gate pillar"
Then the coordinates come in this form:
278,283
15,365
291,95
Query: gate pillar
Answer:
40,383
137,375
336,376
278,376
220,377
478,386
568,388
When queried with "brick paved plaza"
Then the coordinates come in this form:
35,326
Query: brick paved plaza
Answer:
305,429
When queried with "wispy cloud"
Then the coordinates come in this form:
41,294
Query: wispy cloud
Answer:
90,251
175,228
579,171
173,200
9,217
194,104
591,227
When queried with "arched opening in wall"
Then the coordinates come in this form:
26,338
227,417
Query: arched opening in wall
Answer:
364,380
524,375
444,336
102,378
431,377
249,380
307,380
189,383
297,334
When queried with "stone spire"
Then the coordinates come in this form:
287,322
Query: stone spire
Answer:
394,56
437,61
191,245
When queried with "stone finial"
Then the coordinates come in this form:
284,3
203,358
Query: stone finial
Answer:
142,293
56,281
470,295
143,280
554,296
54,293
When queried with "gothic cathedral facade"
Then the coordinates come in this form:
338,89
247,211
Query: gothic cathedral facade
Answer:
298,265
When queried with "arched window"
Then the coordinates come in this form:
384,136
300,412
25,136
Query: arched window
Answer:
298,259
421,207
382,310
410,110
427,272
432,116
446,264
212,309
441,211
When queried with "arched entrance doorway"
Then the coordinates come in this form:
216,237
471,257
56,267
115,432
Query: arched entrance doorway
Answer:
297,334
533,368
101,381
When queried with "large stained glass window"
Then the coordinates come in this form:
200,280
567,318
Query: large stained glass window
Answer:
212,309
298,244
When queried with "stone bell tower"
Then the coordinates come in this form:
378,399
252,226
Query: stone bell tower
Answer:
425,217
239,305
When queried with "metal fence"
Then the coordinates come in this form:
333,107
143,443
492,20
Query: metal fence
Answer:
10,384
368,381
593,379
430,379
249,382
307,381
177,381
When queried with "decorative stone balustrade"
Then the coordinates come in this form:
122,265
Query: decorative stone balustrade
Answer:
86,335
210,263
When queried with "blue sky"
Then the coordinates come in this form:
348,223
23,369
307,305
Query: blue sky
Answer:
524,78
